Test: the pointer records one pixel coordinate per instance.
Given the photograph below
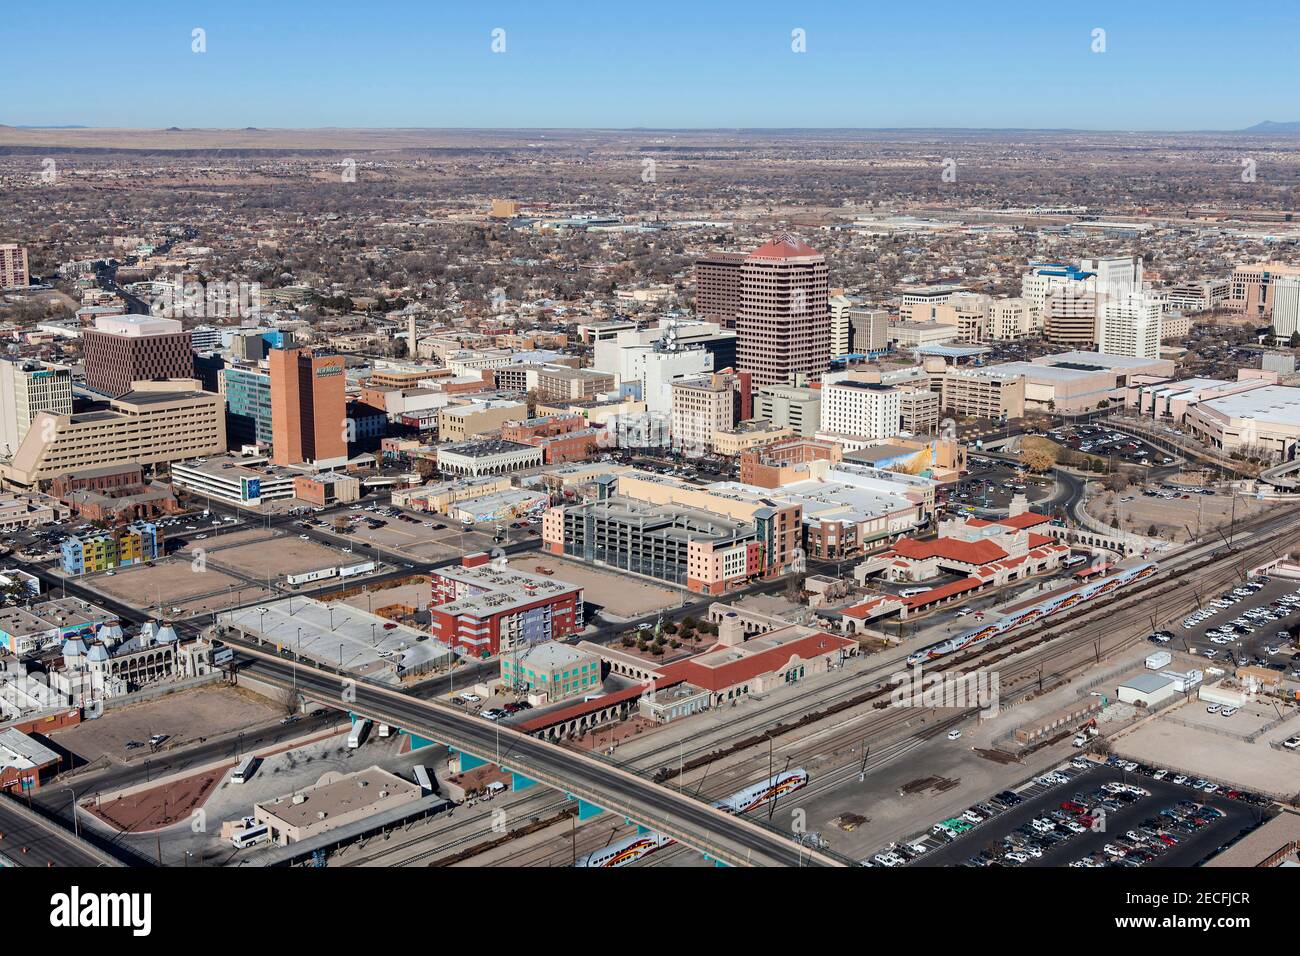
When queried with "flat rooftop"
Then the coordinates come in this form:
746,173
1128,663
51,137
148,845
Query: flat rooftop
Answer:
1095,360
373,787
484,449
1272,403
336,632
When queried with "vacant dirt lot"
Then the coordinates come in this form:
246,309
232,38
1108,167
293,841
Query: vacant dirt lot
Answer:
186,716
1172,517
277,556
173,580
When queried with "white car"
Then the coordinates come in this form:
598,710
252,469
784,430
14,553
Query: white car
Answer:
954,734
470,698
1212,709
1291,743
1228,711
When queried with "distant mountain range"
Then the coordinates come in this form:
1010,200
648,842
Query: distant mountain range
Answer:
1268,126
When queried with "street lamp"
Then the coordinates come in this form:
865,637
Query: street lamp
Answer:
76,825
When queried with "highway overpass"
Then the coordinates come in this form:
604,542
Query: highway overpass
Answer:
732,840
27,839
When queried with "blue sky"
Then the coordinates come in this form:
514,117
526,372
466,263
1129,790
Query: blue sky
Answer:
658,63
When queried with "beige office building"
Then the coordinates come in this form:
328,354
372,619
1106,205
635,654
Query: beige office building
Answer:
701,407
783,327
1070,319
918,411
1011,319
459,422
1251,287
983,393
154,423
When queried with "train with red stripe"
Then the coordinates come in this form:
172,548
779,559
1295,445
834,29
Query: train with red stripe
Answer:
1048,607
643,844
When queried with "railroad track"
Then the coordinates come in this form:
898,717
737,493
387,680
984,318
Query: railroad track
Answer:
1038,647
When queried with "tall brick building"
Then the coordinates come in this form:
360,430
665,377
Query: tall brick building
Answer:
122,349
308,408
717,287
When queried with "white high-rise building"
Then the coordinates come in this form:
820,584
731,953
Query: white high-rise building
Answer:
861,409
1286,306
28,387
1130,325
1117,276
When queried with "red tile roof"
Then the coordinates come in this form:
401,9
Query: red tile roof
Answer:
954,549
943,591
582,708
1027,519
750,666
783,246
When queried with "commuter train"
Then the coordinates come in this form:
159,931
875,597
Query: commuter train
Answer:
643,844
785,782
626,851
1055,604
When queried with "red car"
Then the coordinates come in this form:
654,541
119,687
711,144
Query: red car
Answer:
1087,821
1166,839
1073,807
389,626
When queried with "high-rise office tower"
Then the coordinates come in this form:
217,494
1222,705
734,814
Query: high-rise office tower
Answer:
122,349
28,387
717,287
783,327
1286,306
308,408
1130,325
1253,287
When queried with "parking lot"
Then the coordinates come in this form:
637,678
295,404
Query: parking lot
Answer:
1251,624
263,556
991,484
1090,814
1103,442
1174,512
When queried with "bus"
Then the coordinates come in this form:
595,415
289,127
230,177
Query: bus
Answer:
422,778
244,772
1074,560
359,727
249,836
